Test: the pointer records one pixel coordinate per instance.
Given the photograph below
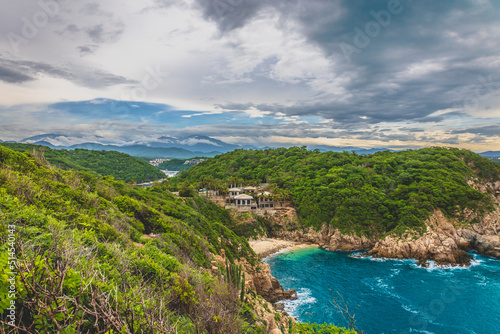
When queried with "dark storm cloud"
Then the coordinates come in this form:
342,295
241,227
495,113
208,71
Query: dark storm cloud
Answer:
12,76
18,71
487,130
230,14
405,59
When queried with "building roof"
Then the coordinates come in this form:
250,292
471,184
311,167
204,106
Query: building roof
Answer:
235,189
243,196
249,188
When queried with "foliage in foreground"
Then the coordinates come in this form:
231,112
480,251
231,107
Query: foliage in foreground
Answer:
386,192
87,262
303,328
119,165
94,255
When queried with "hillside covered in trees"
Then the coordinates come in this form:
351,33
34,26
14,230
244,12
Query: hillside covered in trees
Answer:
179,164
95,255
119,165
385,192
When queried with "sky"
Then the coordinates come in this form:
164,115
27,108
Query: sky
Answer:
392,74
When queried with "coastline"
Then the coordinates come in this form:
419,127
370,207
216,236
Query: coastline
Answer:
265,247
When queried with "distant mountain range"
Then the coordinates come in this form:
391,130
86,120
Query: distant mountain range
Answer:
162,147
173,147
191,143
491,154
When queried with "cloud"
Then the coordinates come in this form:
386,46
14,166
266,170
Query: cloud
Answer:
407,71
92,8
20,71
86,49
427,73
230,14
101,34
487,130
12,76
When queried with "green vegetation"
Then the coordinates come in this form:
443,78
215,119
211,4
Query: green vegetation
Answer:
177,164
96,255
386,192
119,165
87,261
303,328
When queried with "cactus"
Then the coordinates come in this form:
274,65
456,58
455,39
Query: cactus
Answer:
242,294
282,329
290,325
235,276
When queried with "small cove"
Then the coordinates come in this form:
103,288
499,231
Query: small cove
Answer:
391,296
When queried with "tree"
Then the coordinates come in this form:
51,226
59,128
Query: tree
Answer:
349,315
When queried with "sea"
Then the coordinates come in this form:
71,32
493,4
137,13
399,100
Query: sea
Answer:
390,296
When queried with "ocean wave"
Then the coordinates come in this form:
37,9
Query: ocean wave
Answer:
304,297
281,251
361,256
395,272
432,266
409,309
413,330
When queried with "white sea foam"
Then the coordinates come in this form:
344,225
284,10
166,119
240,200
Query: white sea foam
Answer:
413,330
395,272
476,262
361,256
431,265
304,297
281,251
409,308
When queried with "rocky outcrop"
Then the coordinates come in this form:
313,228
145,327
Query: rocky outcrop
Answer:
259,279
439,243
328,237
445,240
266,285
483,236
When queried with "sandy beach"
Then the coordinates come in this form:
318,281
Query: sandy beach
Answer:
267,246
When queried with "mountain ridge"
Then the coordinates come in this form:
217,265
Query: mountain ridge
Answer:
193,145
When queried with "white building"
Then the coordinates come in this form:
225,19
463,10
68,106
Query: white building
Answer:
265,200
243,199
234,192
249,189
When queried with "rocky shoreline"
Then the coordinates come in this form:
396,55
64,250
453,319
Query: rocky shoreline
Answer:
258,278
446,240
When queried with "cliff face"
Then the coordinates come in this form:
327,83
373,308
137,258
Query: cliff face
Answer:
445,241
259,279
484,236
328,237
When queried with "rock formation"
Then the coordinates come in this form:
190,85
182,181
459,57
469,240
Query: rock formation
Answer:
260,280
446,240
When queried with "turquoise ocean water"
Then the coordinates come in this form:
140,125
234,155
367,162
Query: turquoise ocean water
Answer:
391,296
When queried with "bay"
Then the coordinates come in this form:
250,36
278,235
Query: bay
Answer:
391,296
